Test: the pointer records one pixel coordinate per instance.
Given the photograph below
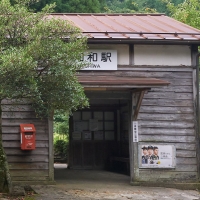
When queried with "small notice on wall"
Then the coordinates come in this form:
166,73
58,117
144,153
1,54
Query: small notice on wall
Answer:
135,131
157,156
87,135
76,135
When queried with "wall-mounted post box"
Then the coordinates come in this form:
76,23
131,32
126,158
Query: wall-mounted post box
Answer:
27,132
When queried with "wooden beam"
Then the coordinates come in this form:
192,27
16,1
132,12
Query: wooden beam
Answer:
139,102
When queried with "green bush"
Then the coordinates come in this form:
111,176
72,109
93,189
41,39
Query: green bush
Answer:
61,148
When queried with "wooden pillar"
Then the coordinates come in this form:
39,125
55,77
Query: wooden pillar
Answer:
195,99
51,152
135,104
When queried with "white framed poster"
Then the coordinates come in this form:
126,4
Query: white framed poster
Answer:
157,156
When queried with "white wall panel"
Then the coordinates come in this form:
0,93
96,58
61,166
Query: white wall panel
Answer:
172,55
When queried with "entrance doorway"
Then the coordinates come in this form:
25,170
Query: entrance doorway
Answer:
99,136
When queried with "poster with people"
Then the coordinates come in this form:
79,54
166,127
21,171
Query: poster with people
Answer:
157,156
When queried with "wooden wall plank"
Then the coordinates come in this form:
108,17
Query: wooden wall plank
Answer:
37,151
29,173
166,117
16,144
167,102
166,131
172,88
17,137
160,109
186,161
155,68
28,166
147,72
27,158
17,122
18,115
184,153
15,129
168,95
166,139
166,124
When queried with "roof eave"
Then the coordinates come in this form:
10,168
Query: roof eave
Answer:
142,41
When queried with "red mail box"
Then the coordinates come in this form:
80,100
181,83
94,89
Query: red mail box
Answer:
27,132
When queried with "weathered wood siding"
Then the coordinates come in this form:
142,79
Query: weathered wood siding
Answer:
25,165
167,117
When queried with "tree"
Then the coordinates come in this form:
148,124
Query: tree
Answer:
71,6
118,6
187,12
39,60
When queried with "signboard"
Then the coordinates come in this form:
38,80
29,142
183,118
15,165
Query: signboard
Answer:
101,60
157,156
76,135
87,135
135,131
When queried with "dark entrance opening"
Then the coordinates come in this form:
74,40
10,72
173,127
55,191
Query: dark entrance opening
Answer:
99,136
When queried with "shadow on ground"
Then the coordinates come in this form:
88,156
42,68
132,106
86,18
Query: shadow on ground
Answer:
92,184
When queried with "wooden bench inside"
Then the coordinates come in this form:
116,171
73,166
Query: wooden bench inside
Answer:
120,159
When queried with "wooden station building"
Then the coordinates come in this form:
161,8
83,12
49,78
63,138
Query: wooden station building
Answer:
142,87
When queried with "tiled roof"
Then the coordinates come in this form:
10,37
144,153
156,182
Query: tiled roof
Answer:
131,26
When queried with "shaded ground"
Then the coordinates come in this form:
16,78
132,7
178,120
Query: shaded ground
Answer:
93,185
89,184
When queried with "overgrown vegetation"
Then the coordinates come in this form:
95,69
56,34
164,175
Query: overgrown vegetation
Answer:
39,61
61,135
103,6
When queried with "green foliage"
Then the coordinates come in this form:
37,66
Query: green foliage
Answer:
71,6
141,6
61,125
61,148
187,12
117,6
39,61
36,62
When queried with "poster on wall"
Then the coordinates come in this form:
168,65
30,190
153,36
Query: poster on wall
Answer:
87,135
157,156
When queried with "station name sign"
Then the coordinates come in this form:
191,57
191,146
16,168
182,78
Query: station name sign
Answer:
100,60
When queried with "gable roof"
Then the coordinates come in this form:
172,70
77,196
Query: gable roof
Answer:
137,27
